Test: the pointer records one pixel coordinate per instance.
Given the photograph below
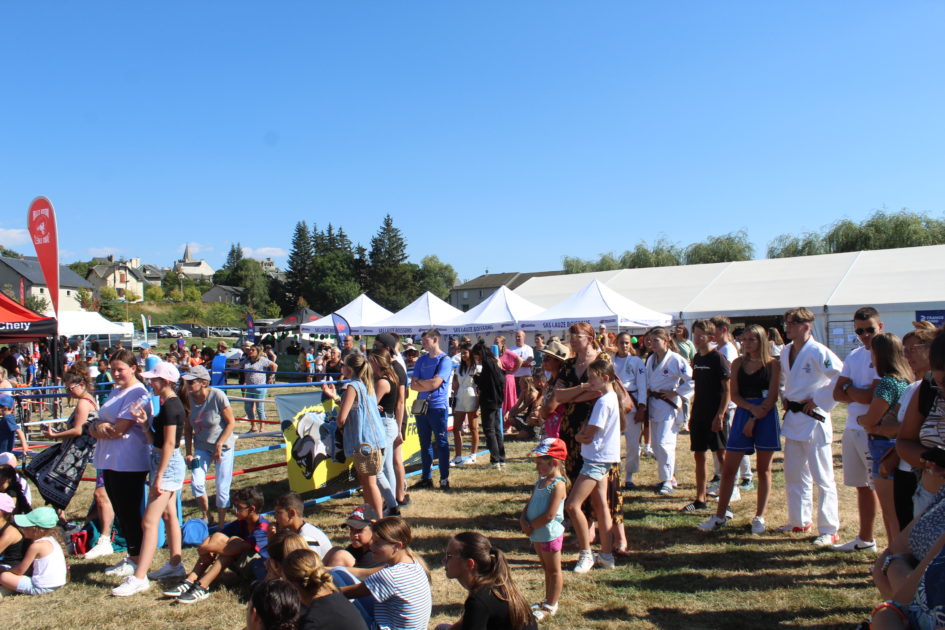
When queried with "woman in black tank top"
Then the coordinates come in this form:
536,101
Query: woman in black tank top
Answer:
386,389
755,426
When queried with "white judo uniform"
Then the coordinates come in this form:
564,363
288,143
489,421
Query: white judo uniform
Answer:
672,373
808,458
632,373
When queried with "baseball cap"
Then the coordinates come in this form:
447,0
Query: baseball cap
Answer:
44,517
388,340
145,345
197,371
165,370
7,504
6,400
551,447
362,516
7,459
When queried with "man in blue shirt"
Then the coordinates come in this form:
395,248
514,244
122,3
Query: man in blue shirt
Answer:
218,367
431,376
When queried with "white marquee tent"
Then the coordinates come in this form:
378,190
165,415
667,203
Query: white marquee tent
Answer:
83,323
427,311
597,304
503,310
361,311
903,284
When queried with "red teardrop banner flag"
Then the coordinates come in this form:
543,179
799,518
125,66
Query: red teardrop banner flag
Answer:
41,221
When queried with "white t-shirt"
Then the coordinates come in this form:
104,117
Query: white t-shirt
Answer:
524,353
605,447
904,401
730,352
316,539
858,367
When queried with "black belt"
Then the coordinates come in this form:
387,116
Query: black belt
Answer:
878,437
799,408
666,399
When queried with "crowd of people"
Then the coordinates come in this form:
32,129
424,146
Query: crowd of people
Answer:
144,420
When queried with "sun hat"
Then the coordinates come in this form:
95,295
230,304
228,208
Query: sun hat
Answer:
551,447
6,400
197,371
362,516
165,370
44,517
7,504
556,349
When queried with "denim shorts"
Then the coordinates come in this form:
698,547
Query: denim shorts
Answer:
878,448
595,470
173,479
26,586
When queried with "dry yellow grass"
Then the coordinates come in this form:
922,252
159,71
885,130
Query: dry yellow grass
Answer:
676,577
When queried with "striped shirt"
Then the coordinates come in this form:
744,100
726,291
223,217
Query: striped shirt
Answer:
403,597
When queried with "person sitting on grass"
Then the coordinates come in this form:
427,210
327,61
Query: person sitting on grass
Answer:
493,601
274,605
358,553
288,516
246,535
281,544
12,543
44,560
323,606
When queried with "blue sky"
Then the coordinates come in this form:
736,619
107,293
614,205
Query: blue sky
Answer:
541,128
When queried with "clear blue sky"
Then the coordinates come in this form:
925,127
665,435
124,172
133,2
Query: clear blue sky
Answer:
540,128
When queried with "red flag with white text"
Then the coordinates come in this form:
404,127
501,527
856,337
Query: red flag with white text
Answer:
41,221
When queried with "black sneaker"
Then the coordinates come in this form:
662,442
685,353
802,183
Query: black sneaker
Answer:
195,594
445,485
695,506
392,511
406,501
423,483
715,479
180,589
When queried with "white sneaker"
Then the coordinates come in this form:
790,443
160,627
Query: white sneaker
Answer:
666,488
130,586
585,562
736,495
758,525
470,460
605,561
125,568
713,489
649,452
102,547
167,572
826,540
857,544
713,523
457,461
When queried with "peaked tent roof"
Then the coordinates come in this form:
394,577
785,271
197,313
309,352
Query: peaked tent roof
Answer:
78,323
598,304
296,319
427,311
361,311
18,323
502,310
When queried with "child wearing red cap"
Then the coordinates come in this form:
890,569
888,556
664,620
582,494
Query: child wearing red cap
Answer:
543,520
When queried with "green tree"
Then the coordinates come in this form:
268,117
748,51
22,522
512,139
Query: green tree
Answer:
36,303
175,295
272,310
390,280
131,296
154,293
333,280
298,267
790,245
249,274
225,275
663,253
85,298
435,276
81,267
108,293
9,253
191,294
724,248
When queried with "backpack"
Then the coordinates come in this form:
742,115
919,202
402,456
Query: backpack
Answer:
194,532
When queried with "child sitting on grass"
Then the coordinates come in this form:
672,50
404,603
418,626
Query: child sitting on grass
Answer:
12,543
281,544
288,516
44,555
246,535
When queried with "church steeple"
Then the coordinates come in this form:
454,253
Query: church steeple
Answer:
187,257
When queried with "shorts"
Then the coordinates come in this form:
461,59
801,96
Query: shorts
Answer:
26,586
595,470
878,448
552,545
857,461
99,478
702,438
173,478
766,435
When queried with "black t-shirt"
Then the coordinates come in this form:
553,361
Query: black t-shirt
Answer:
331,612
708,372
484,611
172,414
363,557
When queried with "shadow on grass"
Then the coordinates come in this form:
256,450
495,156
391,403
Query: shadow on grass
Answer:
673,618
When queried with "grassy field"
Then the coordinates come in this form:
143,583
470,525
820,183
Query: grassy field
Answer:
677,576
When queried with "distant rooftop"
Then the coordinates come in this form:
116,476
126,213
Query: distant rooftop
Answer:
495,280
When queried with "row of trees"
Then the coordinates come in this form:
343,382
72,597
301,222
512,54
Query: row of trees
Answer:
325,270
882,230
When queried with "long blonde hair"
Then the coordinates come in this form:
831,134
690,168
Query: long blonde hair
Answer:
764,348
304,570
361,368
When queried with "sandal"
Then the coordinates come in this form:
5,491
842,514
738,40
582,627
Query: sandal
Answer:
542,610
694,506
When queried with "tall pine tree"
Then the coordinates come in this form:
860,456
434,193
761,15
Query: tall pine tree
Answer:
391,278
298,268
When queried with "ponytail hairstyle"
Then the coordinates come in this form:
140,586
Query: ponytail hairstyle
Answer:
584,328
10,483
500,341
304,570
281,544
78,374
127,357
491,570
361,369
394,530
277,605
604,366
890,359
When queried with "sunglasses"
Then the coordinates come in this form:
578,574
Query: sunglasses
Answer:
869,330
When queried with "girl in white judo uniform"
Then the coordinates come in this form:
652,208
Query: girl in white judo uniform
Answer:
632,373
810,371
668,379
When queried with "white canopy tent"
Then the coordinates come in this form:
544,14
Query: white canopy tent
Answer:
427,311
503,310
359,312
598,305
84,323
